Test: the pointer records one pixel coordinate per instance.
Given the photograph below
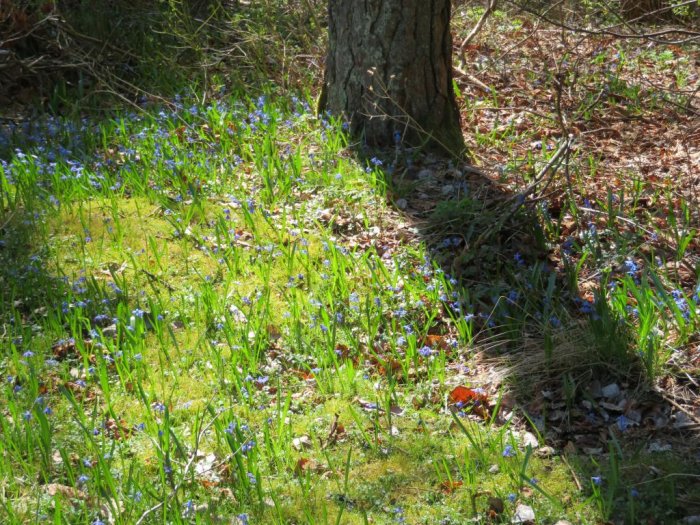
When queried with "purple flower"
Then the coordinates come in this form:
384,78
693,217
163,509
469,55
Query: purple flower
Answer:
631,267
426,351
508,451
597,480
247,446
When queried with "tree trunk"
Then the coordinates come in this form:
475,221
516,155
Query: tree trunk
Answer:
389,73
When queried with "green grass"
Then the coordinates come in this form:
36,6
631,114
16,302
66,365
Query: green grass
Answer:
186,286
210,313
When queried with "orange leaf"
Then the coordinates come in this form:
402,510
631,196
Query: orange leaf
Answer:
448,487
436,341
464,395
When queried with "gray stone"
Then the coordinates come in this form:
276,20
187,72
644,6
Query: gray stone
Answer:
611,390
523,514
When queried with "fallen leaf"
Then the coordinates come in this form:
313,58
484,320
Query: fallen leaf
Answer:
448,487
53,489
464,395
496,506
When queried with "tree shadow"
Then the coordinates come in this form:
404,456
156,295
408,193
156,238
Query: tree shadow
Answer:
29,290
564,358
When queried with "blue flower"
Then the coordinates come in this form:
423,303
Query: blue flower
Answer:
597,480
508,451
623,423
426,351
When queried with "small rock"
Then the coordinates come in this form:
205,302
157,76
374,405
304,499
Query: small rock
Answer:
425,174
611,390
524,514
682,421
545,452
494,469
656,446
563,522
402,204
448,189
110,331
529,440
453,173
300,443
614,407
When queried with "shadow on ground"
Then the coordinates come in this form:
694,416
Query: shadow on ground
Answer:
27,287
565,362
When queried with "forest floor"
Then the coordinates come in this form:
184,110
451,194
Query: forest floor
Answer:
213,311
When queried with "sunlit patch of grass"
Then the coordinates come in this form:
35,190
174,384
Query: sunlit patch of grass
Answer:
209,284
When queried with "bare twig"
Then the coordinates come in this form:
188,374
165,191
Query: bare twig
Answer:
490,7
652,36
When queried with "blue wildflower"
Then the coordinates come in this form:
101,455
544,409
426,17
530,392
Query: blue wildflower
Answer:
426,351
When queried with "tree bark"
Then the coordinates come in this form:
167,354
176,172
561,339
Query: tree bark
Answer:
389,73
